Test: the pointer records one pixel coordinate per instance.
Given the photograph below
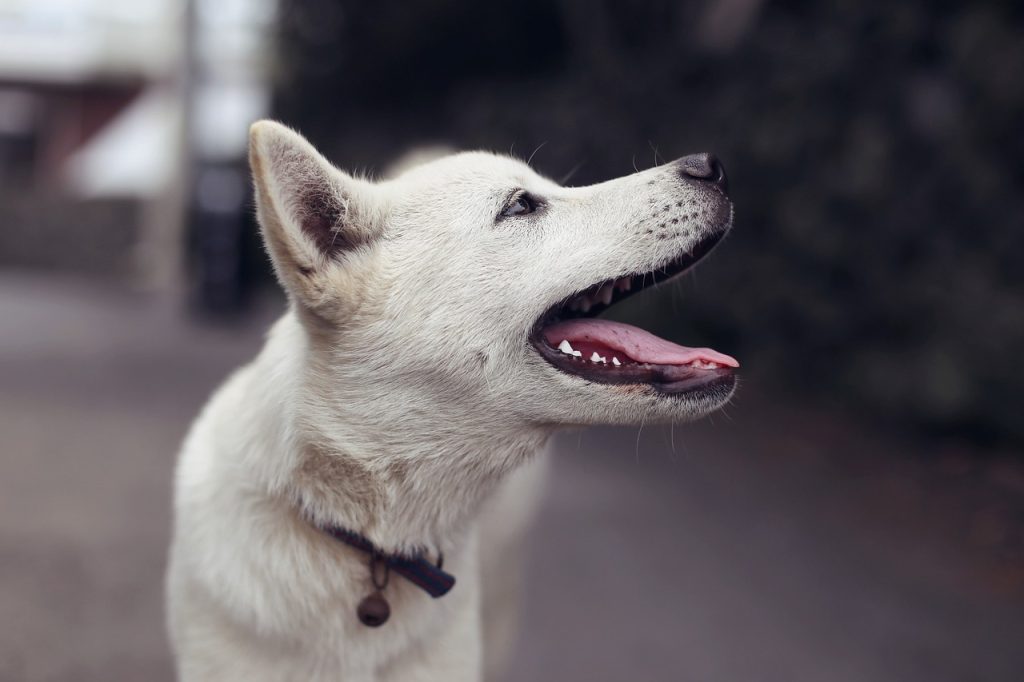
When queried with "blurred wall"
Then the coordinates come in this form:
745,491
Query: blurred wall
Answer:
873,150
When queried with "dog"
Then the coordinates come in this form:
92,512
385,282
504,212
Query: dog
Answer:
440,327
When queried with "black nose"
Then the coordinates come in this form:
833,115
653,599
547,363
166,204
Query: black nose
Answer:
704,167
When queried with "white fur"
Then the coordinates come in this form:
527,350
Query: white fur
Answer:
394,396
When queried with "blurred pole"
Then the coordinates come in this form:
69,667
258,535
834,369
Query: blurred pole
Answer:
161,252
228,91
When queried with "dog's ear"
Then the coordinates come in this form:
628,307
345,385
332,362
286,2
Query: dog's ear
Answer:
312,215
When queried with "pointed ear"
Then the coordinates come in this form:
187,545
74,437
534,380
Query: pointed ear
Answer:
311,213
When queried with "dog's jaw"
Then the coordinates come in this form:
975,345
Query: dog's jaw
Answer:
608,352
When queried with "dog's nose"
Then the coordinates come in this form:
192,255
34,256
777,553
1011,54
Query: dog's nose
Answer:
704,167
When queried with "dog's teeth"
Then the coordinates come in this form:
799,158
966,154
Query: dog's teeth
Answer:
578,353
615,361
604,360
565,347
606,293
597,358
622,284
627,283
585,304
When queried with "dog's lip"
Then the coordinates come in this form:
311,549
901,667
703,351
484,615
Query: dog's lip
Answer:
668,379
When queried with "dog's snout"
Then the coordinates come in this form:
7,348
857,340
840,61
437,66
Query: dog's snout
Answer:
704,167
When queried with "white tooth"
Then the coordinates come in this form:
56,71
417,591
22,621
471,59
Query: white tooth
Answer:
615,361
578,353
595,357
604,359
585,304
606,293
565,347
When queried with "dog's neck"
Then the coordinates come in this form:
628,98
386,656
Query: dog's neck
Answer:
405,492
408,478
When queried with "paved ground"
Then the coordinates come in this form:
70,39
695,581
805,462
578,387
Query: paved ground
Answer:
774,543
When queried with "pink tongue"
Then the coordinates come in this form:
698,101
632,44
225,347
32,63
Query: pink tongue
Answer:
637,344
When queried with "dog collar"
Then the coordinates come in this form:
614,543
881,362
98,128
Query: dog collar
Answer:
374,610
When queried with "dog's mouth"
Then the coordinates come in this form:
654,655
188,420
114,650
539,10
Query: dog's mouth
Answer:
570,337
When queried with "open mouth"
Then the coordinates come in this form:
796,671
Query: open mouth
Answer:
571,338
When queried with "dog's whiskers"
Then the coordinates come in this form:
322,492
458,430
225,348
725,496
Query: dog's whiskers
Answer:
655,150
639,430
529,160
568,176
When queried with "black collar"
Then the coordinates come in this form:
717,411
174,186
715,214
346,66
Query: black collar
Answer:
415,568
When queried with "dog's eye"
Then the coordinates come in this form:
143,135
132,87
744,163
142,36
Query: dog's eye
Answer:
521,204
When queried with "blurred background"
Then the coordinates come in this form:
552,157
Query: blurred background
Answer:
856,514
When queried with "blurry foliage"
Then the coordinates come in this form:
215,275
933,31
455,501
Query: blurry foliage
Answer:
874,151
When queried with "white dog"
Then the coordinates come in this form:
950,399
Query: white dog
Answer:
440,328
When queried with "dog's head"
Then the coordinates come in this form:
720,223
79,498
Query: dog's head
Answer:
469,285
